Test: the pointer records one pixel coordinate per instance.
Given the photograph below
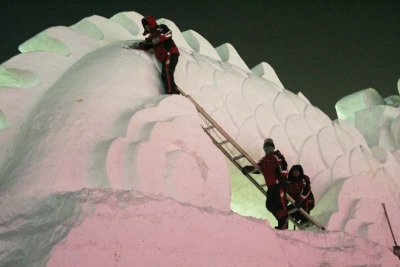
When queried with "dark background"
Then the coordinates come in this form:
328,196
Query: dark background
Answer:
325,49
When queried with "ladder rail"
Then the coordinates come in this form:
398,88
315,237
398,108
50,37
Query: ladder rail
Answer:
252,180
222,131
305,214
245,155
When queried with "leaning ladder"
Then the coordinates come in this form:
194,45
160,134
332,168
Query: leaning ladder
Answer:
236,154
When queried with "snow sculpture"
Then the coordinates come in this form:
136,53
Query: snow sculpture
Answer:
96,159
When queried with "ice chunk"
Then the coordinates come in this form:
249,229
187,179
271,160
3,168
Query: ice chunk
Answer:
44,42
229,54
267,72
130,21
374,124
393,100
89,28
100,28
200,44
77,43
348,105
18,78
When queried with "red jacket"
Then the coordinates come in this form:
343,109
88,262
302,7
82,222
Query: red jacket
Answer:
160,39
271,169
299,187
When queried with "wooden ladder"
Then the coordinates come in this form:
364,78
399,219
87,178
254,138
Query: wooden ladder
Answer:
237,155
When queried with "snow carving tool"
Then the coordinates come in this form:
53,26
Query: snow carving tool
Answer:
396,248
237,155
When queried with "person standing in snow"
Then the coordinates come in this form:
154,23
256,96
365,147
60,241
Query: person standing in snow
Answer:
299,187
273,166
160,40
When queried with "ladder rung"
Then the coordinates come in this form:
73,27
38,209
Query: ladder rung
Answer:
237,157
223,142
306,224
208,128
293,210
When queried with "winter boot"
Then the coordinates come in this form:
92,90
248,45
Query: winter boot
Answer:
282,224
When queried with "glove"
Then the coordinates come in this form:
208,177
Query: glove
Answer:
132,46
247,169
155,40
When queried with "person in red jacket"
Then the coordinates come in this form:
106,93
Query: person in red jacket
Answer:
299,187
160,40
273,167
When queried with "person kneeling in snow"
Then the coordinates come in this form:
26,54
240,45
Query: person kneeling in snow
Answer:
165,49
300,189
273,167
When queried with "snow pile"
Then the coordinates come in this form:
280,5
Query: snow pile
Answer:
97,168
156,231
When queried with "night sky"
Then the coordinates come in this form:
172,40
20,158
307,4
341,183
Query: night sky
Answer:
325,49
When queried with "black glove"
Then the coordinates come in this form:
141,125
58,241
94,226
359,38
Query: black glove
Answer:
132,46
297,204
247,169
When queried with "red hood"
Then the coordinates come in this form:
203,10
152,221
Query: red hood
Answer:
151,21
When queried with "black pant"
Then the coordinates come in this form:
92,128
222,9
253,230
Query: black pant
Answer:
276,203
167,74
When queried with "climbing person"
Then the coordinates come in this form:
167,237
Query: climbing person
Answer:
299,188
160,40
273,166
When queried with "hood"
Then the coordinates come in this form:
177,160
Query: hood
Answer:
296,167
151,21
